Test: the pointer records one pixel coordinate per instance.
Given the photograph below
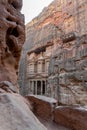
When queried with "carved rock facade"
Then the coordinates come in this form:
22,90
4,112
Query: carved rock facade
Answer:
64,24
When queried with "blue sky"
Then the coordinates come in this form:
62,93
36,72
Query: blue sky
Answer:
31,8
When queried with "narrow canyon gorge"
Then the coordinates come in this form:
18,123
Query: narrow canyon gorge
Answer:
43,67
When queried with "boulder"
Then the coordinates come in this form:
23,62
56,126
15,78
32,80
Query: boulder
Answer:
42,106
15,114
74,117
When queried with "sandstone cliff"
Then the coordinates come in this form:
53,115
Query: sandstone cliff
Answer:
11,39
63,23
15,113
40,31
68,65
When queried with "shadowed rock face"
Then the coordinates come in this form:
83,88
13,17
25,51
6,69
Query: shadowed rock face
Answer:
11,39
14,109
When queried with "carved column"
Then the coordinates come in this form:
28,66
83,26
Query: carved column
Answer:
36,87
32,87
29,87
45,87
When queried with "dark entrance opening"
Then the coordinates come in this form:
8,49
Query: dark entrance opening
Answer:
41,88
38,87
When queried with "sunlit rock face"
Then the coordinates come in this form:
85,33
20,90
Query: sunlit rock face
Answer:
12,37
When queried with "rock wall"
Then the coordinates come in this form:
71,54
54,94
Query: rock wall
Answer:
15,113
68,77
12,37
40,31
64,23
68,65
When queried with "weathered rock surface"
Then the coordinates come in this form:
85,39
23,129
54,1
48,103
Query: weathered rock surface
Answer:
42,106
16,115
74,117
12,37
62,23
40,31
68,66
